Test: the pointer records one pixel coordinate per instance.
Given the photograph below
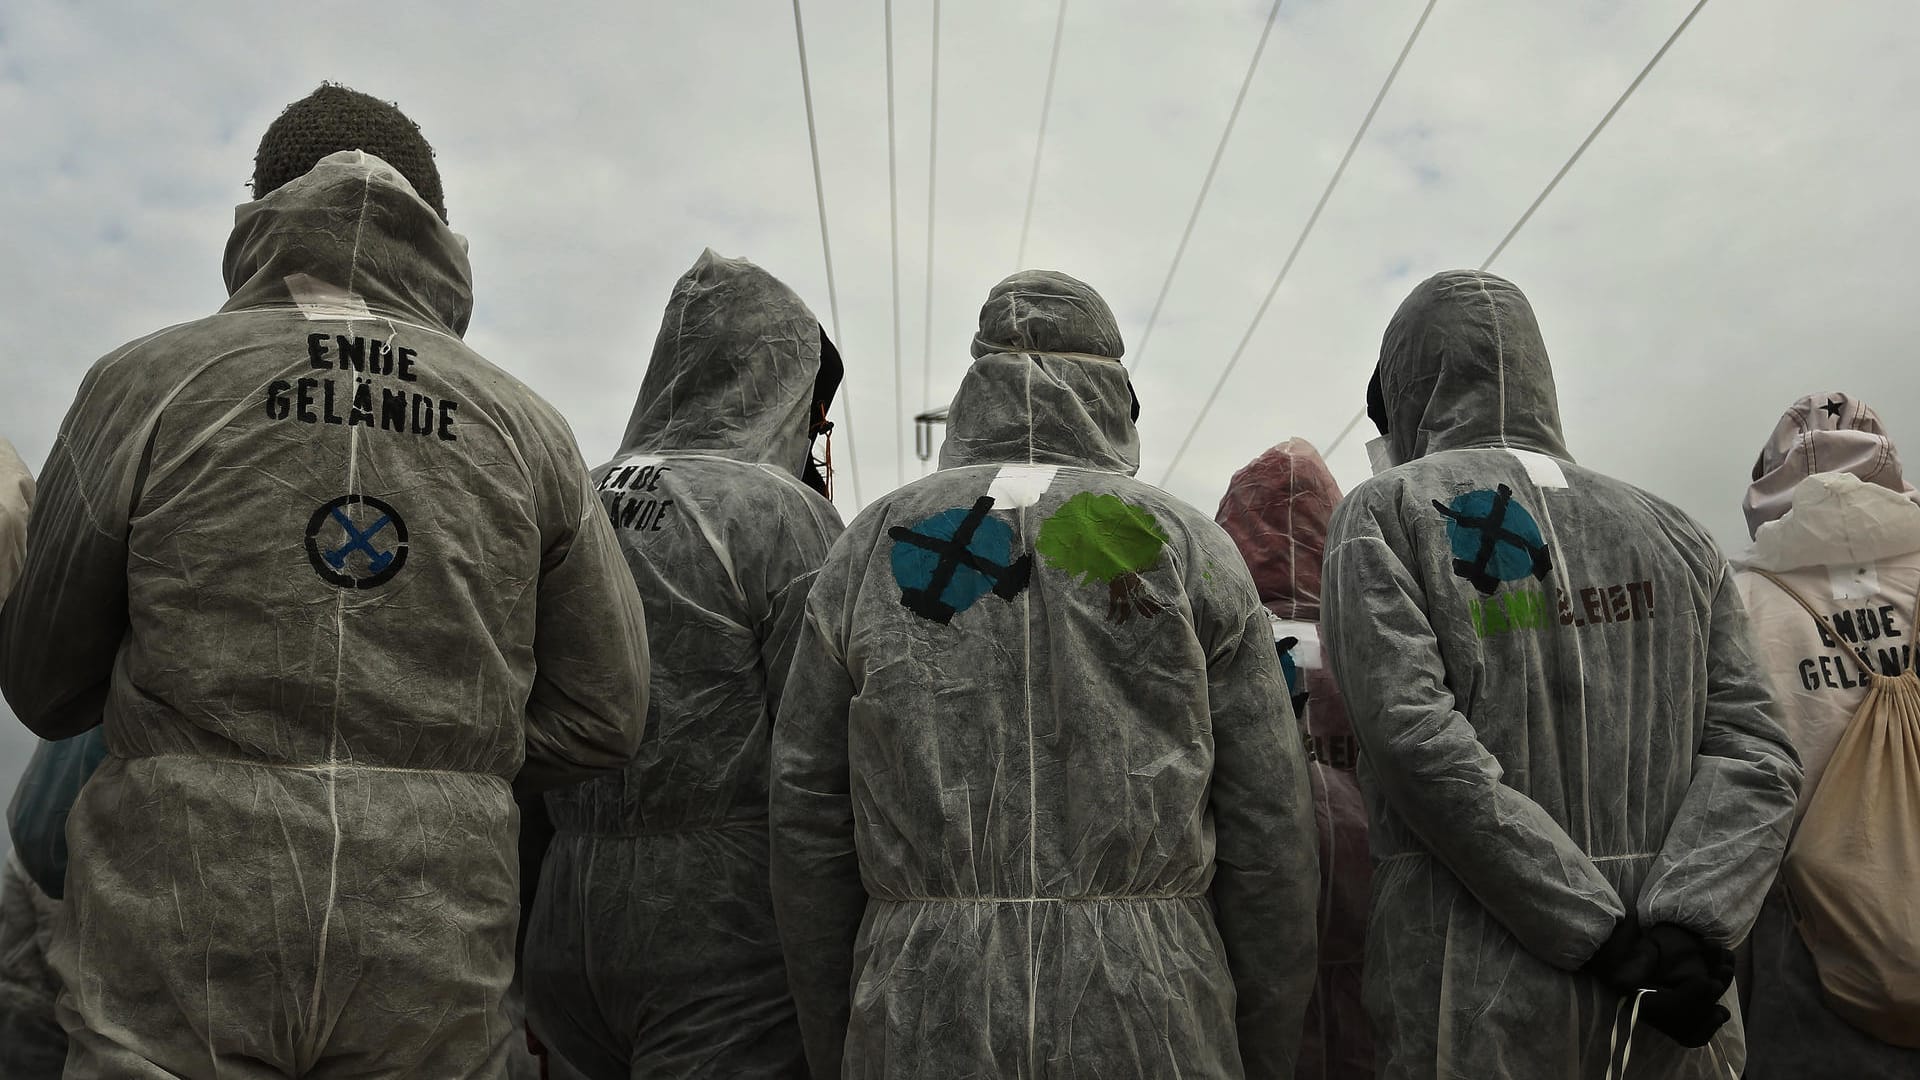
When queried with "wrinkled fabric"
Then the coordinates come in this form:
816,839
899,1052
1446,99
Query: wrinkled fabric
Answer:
1821,433
1041,812
298,857
1851,547
1276,510
652,950
32,1046
43,800
1561,716
16,500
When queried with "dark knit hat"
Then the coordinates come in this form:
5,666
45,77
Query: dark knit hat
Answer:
334,118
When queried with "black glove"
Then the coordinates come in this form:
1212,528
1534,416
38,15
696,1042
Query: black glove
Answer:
1686,1020
1689,978
1626,960
1685,962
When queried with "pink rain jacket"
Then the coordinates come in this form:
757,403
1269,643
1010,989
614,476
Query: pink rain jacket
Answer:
1276,510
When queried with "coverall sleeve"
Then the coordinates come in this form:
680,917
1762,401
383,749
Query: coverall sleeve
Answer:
1429,764
16,501
802,548
1725,844
1266,880
588,707
818,897
64,622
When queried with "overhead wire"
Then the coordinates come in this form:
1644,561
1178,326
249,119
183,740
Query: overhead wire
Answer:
1300,241
893,236
826,248
1564,169
1040,142
1206,185
933,156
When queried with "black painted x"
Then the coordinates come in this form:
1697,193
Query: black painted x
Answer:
1493,530
953,554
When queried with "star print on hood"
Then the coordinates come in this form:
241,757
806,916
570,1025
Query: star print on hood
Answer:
1821,433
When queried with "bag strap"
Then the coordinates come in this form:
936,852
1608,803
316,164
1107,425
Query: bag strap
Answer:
1866,670
1913,634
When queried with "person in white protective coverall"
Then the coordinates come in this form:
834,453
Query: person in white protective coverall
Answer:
1578,787
1039,805
1832,517
32,1046
334,584
652,950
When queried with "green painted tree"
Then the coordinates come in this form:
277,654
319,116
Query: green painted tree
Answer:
1104,539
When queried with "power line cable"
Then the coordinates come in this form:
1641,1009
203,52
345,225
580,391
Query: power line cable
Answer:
933,154
1300,241
1592,135
1140,353
893,235
1040,143
1564,169
826,249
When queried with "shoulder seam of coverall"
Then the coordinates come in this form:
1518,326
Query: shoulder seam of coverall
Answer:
62,443
1381,540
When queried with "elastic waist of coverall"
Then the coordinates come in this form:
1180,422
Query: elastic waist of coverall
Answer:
1401,856
758,825
1116,898
316,767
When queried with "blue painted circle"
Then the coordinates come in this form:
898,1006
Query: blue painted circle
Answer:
914,566
1511,561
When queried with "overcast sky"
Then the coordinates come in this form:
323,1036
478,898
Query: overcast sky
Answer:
1739,236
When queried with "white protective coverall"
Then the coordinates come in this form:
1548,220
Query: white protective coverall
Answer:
32,1046
652,950
332,582
1847,539
16,501
1560,713
1039,805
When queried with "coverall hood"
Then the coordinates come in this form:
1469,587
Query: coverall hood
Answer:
1463,365
1821,433
735,369
295,247
1046,386
1277,509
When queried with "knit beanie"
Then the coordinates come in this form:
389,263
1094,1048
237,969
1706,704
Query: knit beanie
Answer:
334,118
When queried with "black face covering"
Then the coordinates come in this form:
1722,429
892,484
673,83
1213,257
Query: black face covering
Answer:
818,472
1377,403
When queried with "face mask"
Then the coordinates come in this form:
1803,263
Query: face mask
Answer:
1380,455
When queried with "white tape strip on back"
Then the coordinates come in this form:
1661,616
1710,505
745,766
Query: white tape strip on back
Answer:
325,300
1541,469
1019,486
1853,582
